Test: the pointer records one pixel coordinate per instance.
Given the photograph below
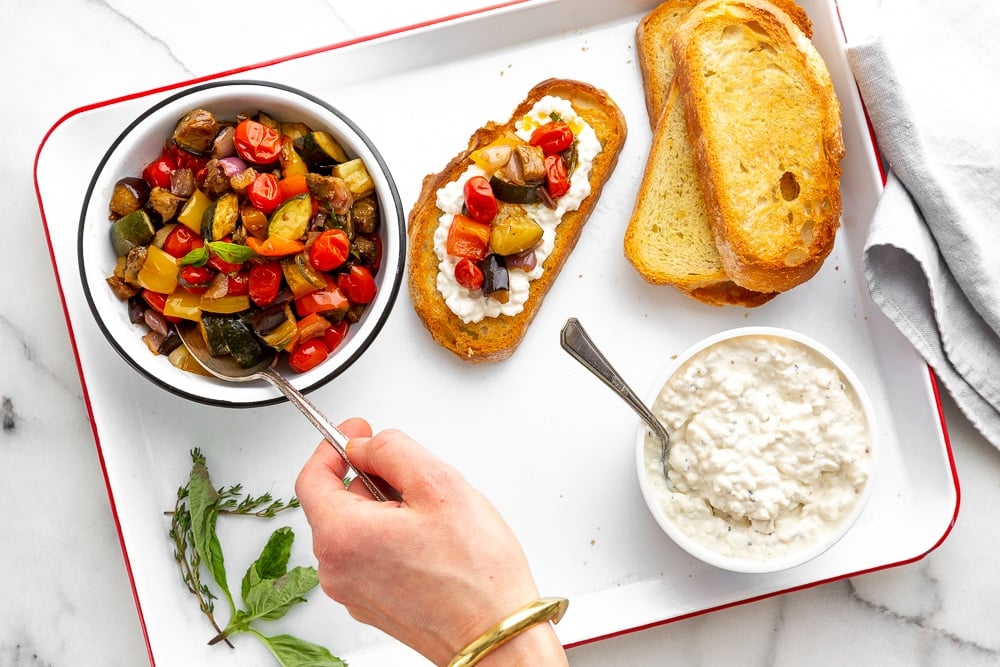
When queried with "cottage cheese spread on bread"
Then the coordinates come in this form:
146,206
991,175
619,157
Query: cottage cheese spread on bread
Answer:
490,232
473,306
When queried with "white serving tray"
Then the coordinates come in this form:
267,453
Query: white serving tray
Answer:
547,442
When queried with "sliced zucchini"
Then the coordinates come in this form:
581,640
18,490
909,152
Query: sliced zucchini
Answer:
243,344
220,217
513,231
295,130
276,326
301,276
515,193
291,219
211,330
135,229
355,174
320,150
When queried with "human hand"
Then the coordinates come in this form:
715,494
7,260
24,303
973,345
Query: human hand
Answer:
435,569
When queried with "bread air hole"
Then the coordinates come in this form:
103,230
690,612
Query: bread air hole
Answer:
789,186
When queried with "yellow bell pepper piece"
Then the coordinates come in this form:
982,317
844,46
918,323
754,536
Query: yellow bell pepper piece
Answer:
195,207
159,271
183,304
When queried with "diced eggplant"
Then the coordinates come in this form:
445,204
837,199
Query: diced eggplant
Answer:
170,343
514,193
220,217
135,229
365,214
164,202
356,175
366,249
320,150
120,288
526,164
267,121
182,182
496,279
332,189
215,181
195,131
130,194
291,219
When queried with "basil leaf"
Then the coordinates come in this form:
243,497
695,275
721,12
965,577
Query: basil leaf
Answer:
203,502
273,560
271,599
196,257
234,253
294,652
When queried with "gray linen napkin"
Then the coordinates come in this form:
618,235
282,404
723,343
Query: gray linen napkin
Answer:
930,79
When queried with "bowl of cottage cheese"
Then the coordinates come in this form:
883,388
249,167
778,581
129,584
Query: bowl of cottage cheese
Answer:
771,454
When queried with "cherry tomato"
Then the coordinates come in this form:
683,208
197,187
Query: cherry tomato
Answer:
157,173
239,283
468,274
181,241
327,300
264,193
329,250
467,238
257,143
479,199
335,334
185,159
357,284
221,265
264,283
195,279
557,180
307,355
155,300
552,137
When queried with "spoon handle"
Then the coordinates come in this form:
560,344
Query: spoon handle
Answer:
329,431
575,340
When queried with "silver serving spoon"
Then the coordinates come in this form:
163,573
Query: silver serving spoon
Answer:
575,340
225,368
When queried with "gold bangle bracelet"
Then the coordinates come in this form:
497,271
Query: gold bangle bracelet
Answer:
539,611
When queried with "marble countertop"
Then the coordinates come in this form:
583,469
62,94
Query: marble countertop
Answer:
67,595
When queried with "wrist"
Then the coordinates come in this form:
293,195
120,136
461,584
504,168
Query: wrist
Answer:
531,628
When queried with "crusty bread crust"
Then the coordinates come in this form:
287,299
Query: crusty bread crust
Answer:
769,159
656,57
496,338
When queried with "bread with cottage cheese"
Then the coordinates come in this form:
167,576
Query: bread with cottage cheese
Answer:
496,338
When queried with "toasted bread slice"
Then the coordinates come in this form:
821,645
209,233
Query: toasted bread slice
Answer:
656,57
764,120
496,338
669,238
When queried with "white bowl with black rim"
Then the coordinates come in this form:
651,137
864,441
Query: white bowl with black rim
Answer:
140,143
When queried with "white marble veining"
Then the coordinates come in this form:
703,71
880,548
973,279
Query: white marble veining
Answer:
67,600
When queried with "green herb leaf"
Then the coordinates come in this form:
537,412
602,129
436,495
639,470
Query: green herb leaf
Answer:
203,502
234,253
196,257
271,599
294,652
272,562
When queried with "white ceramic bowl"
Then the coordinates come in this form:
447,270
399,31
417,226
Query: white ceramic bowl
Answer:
140,143
691,518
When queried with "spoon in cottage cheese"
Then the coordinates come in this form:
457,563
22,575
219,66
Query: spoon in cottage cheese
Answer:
225,368
574,339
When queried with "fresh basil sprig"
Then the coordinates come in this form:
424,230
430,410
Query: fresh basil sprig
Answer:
268,589
234,253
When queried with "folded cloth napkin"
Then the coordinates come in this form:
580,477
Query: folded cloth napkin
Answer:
929,75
